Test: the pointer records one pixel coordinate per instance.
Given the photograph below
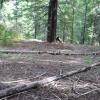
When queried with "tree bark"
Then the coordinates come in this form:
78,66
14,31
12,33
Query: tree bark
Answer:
84,23
64,35
1,3
73,14
52,21
16,15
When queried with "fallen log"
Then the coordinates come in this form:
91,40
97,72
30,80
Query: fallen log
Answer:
34,85
24,87
52,52
21,51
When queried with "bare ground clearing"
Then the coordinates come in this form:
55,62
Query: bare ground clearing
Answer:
16,69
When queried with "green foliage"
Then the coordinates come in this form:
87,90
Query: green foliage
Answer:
88,60
2,29
28,36
8,37
30,17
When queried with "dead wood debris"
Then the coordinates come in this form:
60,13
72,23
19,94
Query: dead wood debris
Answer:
86,93
24,87
52,52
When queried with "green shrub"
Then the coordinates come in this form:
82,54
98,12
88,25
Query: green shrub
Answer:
8,37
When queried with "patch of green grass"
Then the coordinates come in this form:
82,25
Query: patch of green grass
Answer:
88,60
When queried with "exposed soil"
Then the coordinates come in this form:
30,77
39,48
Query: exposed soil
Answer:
16,69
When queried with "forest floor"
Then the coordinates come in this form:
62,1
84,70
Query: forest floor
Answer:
21,68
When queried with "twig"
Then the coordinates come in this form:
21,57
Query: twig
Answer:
18,96
12,95
86,93
39,75
57,96
66,95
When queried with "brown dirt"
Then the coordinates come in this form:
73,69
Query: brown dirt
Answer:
16,69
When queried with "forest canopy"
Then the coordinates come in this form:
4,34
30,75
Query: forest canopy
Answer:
78,21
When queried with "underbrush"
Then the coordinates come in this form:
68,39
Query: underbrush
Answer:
8,37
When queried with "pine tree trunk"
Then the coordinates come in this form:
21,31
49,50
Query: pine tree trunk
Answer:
84,23
52,21
93,19
72,33
97,24
16,14
1,3
36,28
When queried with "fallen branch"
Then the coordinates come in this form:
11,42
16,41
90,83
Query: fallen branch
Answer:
36,84
96,64
89,92
57,96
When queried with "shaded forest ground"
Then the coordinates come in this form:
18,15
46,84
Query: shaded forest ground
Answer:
16,69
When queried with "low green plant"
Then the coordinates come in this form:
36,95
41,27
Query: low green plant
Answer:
8,37
88,60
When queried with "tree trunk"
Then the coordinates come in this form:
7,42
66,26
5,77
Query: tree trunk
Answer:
36,28
84,24
93,19
52,21
16,14
97,23
1,3
64,33
72,34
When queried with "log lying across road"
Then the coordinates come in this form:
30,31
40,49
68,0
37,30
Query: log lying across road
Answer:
52,52
21,51
34,85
